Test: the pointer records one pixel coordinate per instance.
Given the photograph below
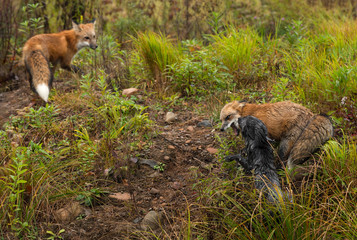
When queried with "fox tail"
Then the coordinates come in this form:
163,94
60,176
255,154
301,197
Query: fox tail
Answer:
40,73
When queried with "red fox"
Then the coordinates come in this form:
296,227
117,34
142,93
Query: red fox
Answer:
55,48
298,129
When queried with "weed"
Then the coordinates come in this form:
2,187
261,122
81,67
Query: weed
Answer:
55,235
281,91
160,167
32,24
196,75
92,197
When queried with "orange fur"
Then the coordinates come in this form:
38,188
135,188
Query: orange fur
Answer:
55,48
298,129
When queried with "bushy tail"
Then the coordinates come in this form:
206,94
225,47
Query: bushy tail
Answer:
40,73
316,133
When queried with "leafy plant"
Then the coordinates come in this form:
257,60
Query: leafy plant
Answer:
55,235
196,75
91,197
160,167
32,24
282,91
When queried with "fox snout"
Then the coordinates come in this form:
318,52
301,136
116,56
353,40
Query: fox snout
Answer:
224,126
93,46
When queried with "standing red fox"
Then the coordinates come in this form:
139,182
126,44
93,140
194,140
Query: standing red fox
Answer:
55,48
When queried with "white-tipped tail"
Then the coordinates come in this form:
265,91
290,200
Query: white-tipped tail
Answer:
43,91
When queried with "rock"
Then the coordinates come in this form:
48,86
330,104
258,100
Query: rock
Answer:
166,158
170,117
176,185
137,220
120,196
204,123
108,171
151,221
69,212
171,147
149,162
156,174
212,150
190,128
130,91
154,191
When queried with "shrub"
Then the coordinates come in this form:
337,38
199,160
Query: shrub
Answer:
197,74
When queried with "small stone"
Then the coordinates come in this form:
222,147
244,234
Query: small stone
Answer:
120,196
130,91
204,123
190,128
107,172
151,221
69,212
212,150
167,158
137,220
14,144
171,147
176,185
170,117
188,141
154,191
155,175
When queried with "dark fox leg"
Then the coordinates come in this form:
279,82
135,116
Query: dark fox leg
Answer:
241,160
72,68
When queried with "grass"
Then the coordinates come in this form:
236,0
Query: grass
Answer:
157,52
237,49
48,153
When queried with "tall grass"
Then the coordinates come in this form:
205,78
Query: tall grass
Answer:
322,63
238,49
157,52
323,207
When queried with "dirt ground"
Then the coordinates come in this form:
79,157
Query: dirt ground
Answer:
186,150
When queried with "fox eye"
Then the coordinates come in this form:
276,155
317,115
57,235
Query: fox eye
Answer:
87,38
228,117
94,36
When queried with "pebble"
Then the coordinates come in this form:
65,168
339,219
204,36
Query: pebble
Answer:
170,117
151,221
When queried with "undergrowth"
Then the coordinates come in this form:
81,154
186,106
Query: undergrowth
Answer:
49,153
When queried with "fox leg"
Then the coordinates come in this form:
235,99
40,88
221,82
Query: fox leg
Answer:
243,161
72,68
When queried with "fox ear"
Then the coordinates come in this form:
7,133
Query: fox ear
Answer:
93,21
76,26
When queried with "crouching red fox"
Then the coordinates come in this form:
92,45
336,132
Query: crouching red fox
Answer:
298,129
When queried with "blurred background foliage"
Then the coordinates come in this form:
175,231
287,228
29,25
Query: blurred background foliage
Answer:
182,19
